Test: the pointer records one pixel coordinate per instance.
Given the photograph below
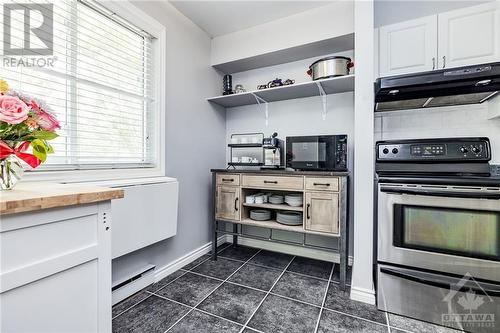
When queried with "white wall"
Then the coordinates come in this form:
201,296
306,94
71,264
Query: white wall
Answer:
307,27
390,11
442,122
362,288
195,137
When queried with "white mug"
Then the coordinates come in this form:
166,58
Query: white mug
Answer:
259,199
250,199
235,159
246,159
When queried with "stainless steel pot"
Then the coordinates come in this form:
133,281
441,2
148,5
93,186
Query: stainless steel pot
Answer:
330,67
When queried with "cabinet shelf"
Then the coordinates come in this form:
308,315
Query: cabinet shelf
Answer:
335,85
245,145
272,206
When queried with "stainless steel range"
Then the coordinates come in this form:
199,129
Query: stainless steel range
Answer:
438,233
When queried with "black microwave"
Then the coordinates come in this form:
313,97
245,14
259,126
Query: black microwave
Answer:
322,153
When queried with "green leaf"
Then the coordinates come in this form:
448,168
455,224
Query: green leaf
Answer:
39,149
44,135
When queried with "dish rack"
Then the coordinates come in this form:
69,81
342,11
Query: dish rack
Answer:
246,145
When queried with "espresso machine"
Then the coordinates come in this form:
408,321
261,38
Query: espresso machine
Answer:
273,152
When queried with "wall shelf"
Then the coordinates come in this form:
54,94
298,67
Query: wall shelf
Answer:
305,51
333,85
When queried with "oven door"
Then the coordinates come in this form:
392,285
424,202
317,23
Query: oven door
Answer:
446,229
310,152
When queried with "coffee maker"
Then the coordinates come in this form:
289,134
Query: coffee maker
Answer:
273,152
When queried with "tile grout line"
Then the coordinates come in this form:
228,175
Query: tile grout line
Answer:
267,294
210,293
354,316
185,271
387,320
193,308
324,299
135,304
277,269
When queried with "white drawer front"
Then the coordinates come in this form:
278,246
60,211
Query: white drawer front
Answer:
27,246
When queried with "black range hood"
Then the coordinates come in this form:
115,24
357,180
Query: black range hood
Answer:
445,87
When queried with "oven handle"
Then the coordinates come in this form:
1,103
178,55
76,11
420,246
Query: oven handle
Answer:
439,284
455,194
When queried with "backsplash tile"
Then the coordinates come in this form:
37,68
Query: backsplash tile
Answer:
454,121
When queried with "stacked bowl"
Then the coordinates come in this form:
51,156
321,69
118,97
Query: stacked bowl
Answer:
294,200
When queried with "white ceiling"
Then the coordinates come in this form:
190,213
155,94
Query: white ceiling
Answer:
222,17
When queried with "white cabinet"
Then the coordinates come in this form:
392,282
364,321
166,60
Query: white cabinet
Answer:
408,47
462,37
55,270
469,36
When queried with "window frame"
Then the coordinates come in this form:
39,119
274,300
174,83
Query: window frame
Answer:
136,16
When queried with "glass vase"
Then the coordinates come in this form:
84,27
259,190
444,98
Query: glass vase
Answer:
11,172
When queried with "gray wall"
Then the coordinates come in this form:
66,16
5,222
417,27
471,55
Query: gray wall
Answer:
195,137
388,12
293,118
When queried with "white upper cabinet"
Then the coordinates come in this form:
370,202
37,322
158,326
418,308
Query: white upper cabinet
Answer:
469,36
462,37
408,47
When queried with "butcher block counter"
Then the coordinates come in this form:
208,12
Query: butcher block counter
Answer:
26,196
55,247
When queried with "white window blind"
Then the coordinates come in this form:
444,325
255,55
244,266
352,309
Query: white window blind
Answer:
100,86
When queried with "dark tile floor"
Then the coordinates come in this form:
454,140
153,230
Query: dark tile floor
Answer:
250,291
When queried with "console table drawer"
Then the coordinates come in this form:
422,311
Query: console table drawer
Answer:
322,184
225,179
274,182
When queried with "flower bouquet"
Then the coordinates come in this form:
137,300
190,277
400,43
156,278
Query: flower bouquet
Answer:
24,122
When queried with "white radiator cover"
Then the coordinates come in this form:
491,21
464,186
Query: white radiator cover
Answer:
146,215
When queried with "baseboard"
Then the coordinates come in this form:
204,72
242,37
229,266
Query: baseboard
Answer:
142,279
291,249
363,295
186,259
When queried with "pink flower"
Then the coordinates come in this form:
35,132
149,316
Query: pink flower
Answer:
12,109
47,121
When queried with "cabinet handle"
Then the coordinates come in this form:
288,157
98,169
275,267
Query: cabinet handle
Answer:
270,182
444,61
307,211
236,204
433,63
227,179
321,184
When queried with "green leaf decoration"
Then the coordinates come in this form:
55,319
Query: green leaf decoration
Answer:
39,149
44,135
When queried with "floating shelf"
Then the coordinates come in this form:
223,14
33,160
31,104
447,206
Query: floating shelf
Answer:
305,51
333,85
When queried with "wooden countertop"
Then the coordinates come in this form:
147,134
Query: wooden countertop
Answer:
31,196
285,172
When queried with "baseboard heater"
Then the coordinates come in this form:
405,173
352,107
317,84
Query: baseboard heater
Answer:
133,283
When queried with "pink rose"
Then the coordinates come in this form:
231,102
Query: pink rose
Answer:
12,109
46,121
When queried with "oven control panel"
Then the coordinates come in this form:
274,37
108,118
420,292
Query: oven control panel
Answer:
444,150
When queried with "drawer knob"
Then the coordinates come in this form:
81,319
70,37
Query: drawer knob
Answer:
270,182
321,184
227,179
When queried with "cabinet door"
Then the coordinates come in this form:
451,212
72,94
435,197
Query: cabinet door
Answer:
228,203
408,47
469,36
322,212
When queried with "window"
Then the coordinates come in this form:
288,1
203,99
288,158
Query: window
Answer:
100,87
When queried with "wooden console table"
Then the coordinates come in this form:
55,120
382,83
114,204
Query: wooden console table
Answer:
325,208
